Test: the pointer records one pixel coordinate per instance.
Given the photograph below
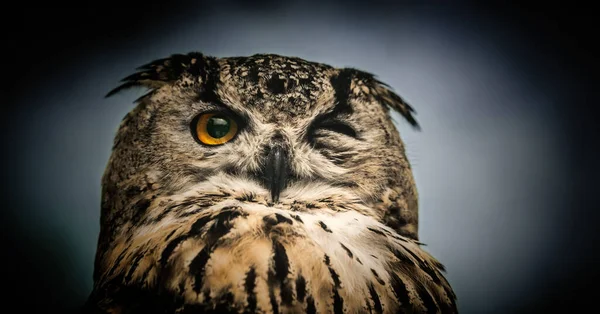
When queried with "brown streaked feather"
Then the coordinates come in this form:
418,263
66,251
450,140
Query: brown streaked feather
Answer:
246,255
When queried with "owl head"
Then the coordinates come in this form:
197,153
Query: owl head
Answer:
281,128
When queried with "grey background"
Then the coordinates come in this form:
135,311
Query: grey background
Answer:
490,162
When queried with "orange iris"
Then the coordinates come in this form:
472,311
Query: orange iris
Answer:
215,128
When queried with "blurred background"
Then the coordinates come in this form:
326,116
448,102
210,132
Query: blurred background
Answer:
506,162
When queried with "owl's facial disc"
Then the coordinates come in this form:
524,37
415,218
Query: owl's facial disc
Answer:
215,128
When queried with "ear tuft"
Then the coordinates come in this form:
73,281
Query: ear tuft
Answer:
384,93
163,71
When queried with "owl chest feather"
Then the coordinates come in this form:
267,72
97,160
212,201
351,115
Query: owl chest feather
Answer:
238,254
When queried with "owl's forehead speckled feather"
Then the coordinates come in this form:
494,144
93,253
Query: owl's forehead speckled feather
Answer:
274,82
260,68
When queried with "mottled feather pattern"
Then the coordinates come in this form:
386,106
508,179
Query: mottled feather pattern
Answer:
191,228
200,256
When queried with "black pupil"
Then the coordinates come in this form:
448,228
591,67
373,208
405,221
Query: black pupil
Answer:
218,127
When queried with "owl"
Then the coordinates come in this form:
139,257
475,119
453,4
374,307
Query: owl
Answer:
261,184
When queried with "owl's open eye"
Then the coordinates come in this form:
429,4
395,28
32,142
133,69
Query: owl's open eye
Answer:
214,128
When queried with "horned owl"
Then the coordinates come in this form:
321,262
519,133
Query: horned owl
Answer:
266,184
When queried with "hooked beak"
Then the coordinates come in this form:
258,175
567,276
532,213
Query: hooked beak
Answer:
276,171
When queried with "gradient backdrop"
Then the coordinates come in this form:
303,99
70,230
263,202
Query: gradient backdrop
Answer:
500,95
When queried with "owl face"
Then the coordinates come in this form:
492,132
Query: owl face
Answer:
281,128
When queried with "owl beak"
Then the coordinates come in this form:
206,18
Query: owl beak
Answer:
276,171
